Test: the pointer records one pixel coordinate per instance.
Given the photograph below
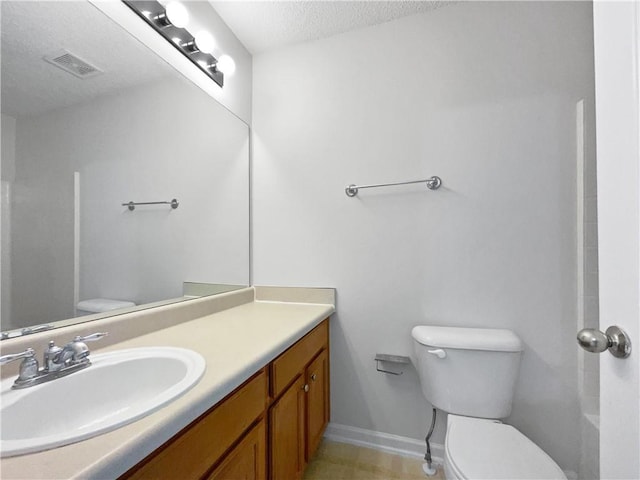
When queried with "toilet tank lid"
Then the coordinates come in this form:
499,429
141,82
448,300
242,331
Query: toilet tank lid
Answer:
492,339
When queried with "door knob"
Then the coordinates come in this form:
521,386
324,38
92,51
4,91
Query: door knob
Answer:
614,339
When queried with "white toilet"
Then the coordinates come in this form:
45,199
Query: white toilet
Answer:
471,373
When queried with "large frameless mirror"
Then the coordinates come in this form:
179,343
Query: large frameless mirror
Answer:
91,121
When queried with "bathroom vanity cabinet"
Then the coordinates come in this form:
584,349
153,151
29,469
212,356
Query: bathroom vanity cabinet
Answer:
269,427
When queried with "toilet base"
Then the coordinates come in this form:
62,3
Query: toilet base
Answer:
430,470
449,473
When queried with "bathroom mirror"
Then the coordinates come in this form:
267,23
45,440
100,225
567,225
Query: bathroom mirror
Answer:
91,120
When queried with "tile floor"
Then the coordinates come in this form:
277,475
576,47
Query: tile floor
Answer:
341,461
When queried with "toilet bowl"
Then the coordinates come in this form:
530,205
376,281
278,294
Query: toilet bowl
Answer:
471,374
477,448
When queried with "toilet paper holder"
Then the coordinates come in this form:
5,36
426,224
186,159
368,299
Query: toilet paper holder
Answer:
386,358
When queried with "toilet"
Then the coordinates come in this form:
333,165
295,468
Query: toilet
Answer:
471,373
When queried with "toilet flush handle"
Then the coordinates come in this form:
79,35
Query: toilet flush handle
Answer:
438,352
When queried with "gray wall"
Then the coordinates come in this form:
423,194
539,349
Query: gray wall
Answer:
482,94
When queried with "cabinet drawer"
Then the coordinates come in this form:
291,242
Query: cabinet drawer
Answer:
194,451
288,365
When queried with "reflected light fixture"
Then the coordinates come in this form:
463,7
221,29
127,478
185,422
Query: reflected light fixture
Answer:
177,14
205,42
171,22
226,65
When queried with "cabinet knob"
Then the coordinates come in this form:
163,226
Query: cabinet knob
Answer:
306,387
313,377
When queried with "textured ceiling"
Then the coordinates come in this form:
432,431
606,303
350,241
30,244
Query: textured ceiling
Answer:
265,25
32,29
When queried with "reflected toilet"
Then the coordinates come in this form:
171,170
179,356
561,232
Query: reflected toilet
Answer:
101,305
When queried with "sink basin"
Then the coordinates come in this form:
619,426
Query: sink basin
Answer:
118,388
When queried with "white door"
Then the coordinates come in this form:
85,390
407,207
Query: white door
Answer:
616,27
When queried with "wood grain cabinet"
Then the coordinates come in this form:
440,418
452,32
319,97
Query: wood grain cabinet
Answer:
268,428
317,375
300,411
193,452
287,433
247,461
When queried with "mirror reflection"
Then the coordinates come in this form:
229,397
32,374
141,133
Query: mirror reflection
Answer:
92,120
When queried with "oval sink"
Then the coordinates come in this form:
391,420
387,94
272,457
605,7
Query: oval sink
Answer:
118,388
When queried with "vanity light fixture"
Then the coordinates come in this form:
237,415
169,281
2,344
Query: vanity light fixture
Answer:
171,22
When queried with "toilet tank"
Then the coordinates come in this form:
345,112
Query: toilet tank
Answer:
468,371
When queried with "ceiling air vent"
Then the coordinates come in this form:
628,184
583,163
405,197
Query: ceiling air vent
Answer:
68,62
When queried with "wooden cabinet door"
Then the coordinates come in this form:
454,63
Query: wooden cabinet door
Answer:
248,460
317,375
287,433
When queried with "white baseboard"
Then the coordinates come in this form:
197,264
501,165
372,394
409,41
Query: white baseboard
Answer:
385,442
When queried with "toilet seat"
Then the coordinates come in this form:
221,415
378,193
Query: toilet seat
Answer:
478,448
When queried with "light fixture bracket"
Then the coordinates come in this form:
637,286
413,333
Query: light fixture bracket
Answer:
148,10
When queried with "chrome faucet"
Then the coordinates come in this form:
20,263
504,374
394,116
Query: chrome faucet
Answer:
58,362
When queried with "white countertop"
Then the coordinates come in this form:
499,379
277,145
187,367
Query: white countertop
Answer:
236,343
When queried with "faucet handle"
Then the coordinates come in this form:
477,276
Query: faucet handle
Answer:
90,338
28,368
28,353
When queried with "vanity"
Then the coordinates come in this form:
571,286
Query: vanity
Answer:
259,410
289,398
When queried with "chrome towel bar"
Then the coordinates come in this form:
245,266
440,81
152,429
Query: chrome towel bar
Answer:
132,205
433,183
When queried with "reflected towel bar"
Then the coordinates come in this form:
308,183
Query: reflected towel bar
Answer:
433,183
132,205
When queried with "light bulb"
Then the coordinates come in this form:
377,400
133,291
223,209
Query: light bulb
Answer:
204,41
177,14
226,65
